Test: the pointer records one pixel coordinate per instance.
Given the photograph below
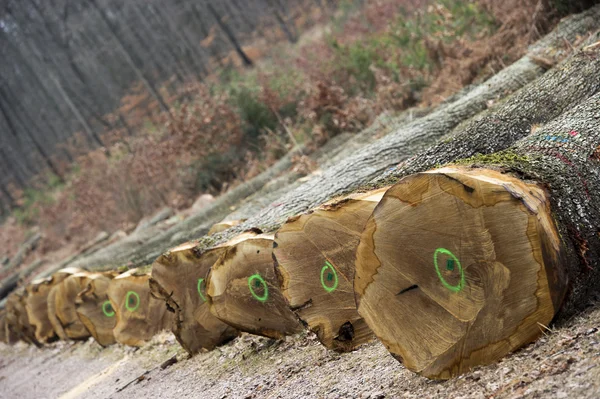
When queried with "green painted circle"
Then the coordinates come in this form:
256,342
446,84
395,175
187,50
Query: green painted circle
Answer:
333,276
200,281
128,297
107,309
260,281
461,283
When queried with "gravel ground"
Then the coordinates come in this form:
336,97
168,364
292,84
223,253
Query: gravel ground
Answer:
564,363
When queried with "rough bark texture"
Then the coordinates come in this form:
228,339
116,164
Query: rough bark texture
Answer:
179,278
139,316
222,226
564,156
559,90
94,308
243,290
314,254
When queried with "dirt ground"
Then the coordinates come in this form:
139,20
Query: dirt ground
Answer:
564,363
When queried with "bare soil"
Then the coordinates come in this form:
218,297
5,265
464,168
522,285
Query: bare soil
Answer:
564,363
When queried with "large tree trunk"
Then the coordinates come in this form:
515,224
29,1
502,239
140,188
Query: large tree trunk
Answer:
94,308
243,289
179,278
314,254
139,316
229,33
461,265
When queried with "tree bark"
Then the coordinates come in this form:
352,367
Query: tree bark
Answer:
222,226
151,89
229,33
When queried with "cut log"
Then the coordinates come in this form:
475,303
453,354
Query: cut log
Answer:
94,308
61,307
314,254
243,290
459,266
7,335
17,322
138,315
224,225
36,304
3,337
179,278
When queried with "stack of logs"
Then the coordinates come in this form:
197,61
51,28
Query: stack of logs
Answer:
450,268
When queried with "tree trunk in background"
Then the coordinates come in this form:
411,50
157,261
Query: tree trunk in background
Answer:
127,56
234,42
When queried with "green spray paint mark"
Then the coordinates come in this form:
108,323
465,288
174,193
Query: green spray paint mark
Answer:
461,283
331,276
132,301
200,281
259,282
107,309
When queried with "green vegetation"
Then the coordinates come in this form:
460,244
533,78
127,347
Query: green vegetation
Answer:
402,49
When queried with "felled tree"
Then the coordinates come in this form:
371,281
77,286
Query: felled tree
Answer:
94,308
243,289
314,255
36,304
61,307
179,278
461,265
138,315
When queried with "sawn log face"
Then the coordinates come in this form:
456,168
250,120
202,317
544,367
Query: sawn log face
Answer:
453,269
314,255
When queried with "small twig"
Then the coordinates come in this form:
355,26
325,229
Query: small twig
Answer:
289,133
169,362
592,46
